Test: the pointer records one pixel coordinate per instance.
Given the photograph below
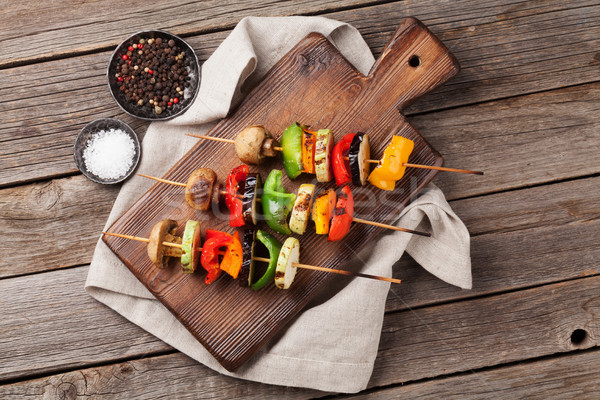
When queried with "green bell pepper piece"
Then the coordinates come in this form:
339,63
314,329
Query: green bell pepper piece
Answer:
277,203
274,247
291,142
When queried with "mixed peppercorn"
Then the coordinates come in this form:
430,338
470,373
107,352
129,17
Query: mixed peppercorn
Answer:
153,74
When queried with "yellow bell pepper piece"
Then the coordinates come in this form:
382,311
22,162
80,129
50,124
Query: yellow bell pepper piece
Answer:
391,167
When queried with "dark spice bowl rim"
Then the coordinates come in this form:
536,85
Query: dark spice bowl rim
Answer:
184,104
94,127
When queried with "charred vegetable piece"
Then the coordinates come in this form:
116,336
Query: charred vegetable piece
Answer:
233,257
277,203
250,206
359,155
341,167
391,167
274,247
199,188
190,246
291,142
323,208
288,256
159,254
249,144
301,210
323,149
308,151
342,218
234,187
210,253
247,270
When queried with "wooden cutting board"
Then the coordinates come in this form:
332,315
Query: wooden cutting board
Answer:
314,85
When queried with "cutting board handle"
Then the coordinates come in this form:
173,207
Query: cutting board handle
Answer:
413,63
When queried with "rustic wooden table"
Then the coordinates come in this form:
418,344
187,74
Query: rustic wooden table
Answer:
525,109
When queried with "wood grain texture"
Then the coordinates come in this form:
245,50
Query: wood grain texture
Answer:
333,94
505,49
62,219
30,32
566,377
63,327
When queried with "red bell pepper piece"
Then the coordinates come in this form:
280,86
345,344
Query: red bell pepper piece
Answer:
233,257
341,166
233,201
342,218
210,253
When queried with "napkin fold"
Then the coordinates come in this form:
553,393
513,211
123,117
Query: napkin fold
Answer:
332,344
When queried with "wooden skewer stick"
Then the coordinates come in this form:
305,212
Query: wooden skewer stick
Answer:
336,271
163,180
392,227
297,265
462,171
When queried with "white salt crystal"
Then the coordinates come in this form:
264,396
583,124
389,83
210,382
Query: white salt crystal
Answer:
109,154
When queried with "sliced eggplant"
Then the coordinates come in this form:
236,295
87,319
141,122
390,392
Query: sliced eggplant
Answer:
250,205
288,257
190,244
199,188
323,148
358,155
301,211
247,271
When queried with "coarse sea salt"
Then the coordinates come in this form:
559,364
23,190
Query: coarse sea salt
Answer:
109,154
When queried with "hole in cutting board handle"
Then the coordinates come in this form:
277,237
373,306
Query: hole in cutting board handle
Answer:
414,61
579,337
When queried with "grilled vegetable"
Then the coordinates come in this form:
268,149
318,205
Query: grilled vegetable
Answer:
291,142
301,210
250,201
159,254
210,253
288,256
199,188
247,269
274,247
359,155
235,186
308,151
277,203
190,244
342,218
249,144
322,213
341,167
391,167
323,155
233,257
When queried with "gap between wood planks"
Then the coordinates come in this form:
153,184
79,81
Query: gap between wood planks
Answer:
223,28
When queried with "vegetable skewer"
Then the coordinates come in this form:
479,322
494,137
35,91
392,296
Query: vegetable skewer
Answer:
255,258
411,165
354,219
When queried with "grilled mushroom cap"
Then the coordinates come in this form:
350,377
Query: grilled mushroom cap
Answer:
199,188
248,144
163,232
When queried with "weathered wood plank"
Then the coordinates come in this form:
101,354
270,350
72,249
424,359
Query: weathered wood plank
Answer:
49,322
567,377
29,32
44,331
52,224
45,105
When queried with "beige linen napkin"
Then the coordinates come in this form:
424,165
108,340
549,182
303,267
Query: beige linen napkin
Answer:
332,345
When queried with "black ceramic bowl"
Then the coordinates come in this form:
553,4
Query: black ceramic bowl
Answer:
88,132
191,89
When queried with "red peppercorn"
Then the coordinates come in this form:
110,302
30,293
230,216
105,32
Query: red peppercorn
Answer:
175,100
124,56
140,46
169,104
150,71
130,48
120,79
